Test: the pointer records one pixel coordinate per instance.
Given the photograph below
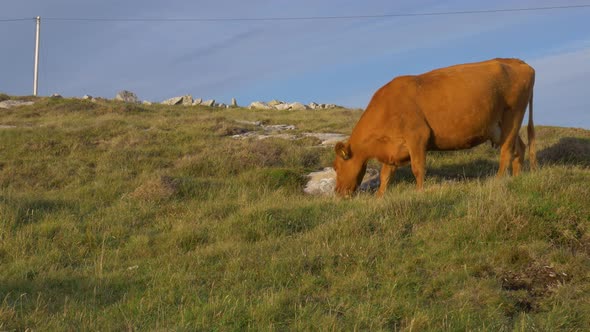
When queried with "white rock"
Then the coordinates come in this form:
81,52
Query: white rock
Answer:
127,96
209,103
234,102
297,106
187,100
274,102
14,103
197,101
173,101
328,138
87,97
323,182
145,102
259,105
313,105
282,107
279,127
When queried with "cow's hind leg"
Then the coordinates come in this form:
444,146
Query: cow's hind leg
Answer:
418,162
518,158
511,122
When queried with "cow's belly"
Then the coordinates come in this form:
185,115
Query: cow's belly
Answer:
458,135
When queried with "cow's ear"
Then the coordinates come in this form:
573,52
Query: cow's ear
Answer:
343,150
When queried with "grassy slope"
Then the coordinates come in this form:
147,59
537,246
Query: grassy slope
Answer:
115,216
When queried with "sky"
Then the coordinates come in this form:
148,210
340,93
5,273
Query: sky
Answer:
339,61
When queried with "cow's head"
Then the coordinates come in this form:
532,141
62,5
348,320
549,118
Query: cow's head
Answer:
349,168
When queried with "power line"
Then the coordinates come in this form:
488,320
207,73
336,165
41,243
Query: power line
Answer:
15,19
307,18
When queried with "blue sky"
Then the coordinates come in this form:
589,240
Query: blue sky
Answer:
326,61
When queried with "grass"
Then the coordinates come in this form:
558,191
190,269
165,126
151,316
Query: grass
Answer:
124,217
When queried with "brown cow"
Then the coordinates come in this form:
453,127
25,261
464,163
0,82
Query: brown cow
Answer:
451,108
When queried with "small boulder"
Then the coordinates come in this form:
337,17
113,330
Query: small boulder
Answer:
87,97
127,96
282,107
234,103
274,103
56,96
197,101
259,105
173,101
187,100
209,103
323,182
297,106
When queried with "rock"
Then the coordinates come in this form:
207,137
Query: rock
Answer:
209,103
234,102
222,105
297,106
279,127
274,103
259,105
173,101
197,101
252,123
127,96
187,100
87,97
327,138
282,107
323,182
56,96
145,102
331,106
313,105
15,103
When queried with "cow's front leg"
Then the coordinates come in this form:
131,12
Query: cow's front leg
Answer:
387,172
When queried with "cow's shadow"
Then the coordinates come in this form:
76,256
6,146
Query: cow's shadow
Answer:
475,169
573,151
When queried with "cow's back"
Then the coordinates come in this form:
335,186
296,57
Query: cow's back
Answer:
464,104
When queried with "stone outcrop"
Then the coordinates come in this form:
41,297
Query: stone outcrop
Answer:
127,96
187,100
283,106
14,103
209,103
173,101
260,105
297,107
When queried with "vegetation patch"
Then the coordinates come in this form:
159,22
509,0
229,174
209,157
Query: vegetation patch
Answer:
118,216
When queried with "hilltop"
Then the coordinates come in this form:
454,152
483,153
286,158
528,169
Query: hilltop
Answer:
127,216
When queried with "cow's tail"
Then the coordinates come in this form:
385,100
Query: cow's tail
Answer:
531,136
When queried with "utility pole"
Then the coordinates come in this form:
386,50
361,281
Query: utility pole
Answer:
37,39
